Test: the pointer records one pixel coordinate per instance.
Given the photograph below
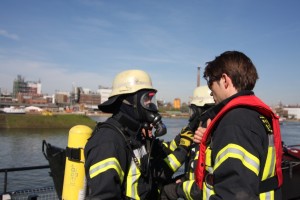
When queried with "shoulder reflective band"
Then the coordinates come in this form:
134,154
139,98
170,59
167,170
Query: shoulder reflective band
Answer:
105,165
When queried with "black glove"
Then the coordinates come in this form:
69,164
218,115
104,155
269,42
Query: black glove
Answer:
169,192
186,137
194,123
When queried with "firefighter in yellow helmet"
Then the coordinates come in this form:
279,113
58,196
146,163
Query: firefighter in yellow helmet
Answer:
120,152
185,152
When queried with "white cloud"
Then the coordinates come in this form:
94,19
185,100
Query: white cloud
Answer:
6,34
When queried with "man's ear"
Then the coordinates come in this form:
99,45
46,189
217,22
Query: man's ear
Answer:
226,80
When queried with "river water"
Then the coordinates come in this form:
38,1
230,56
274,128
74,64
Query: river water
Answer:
23,148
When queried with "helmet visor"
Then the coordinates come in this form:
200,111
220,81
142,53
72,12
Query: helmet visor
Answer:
148,101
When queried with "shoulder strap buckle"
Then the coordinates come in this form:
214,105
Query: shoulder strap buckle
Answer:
74,154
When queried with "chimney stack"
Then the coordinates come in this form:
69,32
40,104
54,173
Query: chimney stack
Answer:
198,77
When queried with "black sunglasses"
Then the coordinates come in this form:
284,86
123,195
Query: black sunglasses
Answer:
210,80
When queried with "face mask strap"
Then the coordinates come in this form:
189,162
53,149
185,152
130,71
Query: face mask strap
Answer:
135,106
127,102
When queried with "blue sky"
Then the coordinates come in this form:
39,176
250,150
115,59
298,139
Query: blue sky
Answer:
87,42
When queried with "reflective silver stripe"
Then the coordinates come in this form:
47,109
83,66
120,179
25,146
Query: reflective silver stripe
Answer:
172,162
273,156
134,175
272,161
267,195
269,169
207,192
132,181
209,169
191,175
173,145
104,165
271,140
238,152
187,185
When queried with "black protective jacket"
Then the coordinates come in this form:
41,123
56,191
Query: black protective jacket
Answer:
117,162
244,127
240,158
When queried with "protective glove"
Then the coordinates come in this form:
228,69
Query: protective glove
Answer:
169,192
194,123
186,137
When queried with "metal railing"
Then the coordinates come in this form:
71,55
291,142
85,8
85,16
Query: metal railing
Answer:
47,193
6,170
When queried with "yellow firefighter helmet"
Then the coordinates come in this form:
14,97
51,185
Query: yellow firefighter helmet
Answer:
202,96
126,82
131,81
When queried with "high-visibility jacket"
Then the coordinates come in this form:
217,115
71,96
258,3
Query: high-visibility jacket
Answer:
210,161
177,155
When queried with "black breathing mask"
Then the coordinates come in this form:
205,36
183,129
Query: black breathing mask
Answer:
194,120
149,114
160,127
198,114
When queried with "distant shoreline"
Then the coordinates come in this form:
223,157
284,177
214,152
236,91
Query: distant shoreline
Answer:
8,121
67,120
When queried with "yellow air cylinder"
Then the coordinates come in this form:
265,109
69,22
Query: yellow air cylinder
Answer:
74,187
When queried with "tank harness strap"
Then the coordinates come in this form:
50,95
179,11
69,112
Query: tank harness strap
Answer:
135,159
74,154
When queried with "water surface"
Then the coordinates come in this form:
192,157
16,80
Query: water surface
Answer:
23,147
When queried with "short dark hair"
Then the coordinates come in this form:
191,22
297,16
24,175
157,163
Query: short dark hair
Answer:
236,65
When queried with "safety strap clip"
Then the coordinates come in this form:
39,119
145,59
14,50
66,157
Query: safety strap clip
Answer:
74,154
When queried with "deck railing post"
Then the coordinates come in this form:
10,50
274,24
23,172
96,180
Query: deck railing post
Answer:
5,181
6,170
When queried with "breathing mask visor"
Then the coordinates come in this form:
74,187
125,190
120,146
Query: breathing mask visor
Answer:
152,117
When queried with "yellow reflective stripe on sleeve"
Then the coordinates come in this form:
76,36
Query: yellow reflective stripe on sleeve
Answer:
173,145
267,195
187,185
237,152
104,165
172,162
165,144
